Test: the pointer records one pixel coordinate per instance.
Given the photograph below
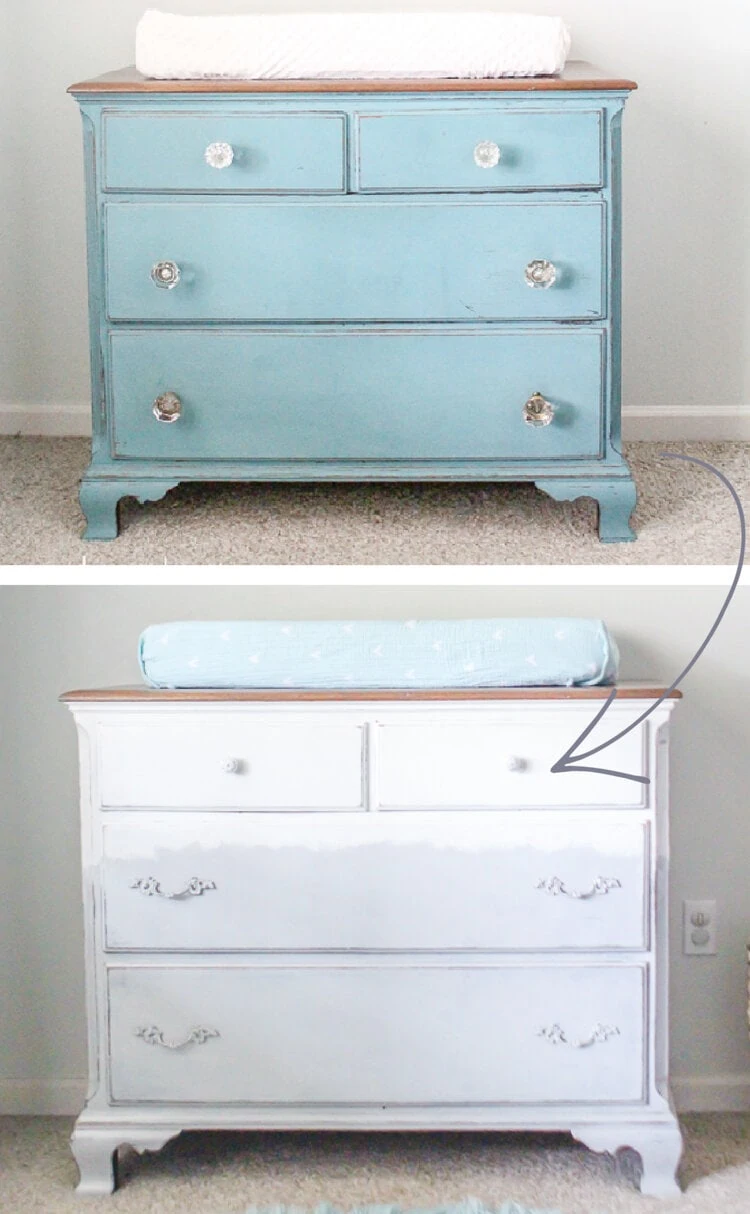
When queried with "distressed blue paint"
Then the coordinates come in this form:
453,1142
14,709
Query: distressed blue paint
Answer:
273,151
368,394
385,333
436,259
539,149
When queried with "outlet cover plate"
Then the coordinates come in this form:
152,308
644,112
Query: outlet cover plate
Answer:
699,927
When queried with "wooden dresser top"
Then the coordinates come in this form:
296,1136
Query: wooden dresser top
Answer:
577,75
148,695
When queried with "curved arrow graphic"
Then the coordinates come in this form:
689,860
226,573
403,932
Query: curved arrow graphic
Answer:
566,760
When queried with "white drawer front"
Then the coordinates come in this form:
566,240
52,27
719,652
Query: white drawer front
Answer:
411,881
231,763
378,1033
483,764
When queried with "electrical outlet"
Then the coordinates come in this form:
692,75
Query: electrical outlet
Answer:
699,925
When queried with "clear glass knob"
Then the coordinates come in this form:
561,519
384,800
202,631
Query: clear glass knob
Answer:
537,411
219,155
231,765
167,407
165,274
540,273
486,154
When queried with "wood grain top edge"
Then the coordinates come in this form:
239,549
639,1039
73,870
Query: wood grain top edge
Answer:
147,695
576,76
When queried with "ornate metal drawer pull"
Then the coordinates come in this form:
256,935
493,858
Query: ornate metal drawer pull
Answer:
194,888
219,155
537,411
154,1036
600,1032
165,274
486,154
555,886
540,273
167,407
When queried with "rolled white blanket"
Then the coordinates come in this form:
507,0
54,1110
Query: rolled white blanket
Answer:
336,46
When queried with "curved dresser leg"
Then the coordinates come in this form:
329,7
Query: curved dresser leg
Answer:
616,498
95,1147
659,1147
94,1152
99,500
99,504
660,1150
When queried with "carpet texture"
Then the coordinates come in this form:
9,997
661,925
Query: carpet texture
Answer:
684,516
225,1173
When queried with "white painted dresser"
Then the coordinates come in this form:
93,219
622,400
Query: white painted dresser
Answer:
365,910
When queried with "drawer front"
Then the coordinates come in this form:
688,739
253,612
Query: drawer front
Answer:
440,150
354,260
230,763
411,881
357,394
474,765
278,153
377,1033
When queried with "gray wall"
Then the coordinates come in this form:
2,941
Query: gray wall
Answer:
56,638
687,291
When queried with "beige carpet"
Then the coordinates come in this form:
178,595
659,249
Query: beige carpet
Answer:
224,1173
685,516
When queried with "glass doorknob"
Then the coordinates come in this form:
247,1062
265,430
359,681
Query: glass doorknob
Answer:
165,274
486,154
167,407
537,411
540,273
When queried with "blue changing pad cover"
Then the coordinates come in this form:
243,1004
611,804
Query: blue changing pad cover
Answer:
378,654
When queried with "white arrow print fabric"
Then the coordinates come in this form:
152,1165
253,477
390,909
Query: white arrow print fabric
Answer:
378,654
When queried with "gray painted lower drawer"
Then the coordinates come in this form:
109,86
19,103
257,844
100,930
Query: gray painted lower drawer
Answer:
382,1032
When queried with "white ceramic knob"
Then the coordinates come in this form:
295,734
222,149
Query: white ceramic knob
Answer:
540,273
231,765
516,763
486,154
219,155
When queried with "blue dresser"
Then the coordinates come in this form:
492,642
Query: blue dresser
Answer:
355,281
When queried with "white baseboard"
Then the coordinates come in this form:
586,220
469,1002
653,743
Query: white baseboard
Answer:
39,1097
711,1093
68,419
65,1097
686,423
640,423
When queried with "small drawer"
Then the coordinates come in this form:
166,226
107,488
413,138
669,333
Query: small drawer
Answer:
381,1032
469,260
409,882
217,152
503,766
480,149
230,763
311,393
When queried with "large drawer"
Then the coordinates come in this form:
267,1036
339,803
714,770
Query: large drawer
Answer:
439,393
278,153
412,881
446,149
382,1032
229,762
358,259
497,765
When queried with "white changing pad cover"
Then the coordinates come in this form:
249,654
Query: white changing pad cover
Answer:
309,46
378,654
